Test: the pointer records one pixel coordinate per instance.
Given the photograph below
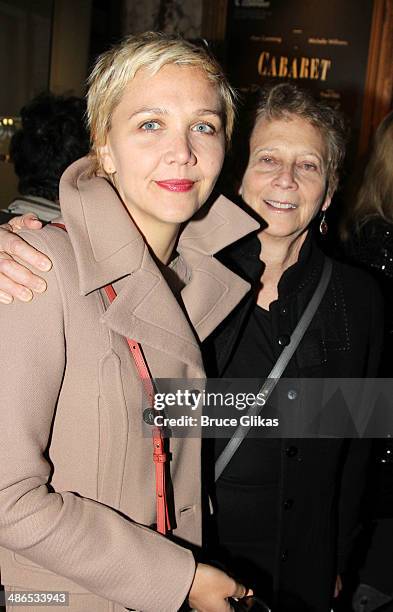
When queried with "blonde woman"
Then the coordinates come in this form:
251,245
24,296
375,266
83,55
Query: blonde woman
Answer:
366,228
374,200
77,486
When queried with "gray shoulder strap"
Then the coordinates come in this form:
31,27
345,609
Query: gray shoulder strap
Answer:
278,369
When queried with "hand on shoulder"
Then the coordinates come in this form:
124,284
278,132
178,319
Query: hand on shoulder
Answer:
16,280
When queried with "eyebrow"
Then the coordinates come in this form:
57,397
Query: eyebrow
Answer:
147,109
143,110
210,111
271,149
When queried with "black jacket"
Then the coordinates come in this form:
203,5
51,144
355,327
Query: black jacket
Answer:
5,216
343,340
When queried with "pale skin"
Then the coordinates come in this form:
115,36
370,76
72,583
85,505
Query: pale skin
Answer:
18,282
285,182
159,133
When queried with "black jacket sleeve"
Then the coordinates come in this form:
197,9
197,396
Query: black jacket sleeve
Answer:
357,459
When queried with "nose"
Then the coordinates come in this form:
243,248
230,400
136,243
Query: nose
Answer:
180,151
285,177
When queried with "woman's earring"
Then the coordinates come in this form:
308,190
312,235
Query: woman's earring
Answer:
323,226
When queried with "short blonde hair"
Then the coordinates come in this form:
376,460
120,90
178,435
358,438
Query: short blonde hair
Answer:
115,68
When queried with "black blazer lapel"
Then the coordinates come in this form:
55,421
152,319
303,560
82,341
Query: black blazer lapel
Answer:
243,259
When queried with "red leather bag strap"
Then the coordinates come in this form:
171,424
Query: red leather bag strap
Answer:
159,455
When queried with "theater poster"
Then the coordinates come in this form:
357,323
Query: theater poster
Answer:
323,46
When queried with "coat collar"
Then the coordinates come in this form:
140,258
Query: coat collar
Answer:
108,247
305,273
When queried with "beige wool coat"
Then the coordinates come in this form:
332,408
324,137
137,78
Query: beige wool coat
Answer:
77,485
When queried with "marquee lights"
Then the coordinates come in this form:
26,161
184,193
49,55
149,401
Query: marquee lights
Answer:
8,126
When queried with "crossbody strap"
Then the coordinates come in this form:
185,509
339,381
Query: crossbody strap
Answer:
159,455
278,369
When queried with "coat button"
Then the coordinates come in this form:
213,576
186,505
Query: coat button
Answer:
292,394
288,504
283,311
284,555
148,416
284,340
291,451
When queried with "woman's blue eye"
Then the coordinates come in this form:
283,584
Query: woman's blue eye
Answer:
204,128
150,126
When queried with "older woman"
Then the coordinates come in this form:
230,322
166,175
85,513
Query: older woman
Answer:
277,501
78,495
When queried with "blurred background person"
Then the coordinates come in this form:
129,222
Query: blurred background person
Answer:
366,232
52,136
366,229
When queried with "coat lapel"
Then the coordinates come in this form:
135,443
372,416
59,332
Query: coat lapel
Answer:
147,311
106,243
214,290
212,295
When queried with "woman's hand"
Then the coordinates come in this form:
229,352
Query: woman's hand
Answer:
211,589
16,281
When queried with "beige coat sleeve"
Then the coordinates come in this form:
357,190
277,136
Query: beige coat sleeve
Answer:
78,538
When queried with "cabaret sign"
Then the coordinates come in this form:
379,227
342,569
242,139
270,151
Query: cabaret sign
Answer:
282,66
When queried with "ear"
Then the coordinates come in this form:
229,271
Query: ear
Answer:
106,160
326,203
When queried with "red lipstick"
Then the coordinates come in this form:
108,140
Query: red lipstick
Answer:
177,185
